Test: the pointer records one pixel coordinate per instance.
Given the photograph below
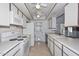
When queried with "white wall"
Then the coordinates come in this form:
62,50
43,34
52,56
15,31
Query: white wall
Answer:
44,29
52,28
53,22
29,30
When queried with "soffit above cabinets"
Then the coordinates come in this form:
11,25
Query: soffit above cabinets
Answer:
22,7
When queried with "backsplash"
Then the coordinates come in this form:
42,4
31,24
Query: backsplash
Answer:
11,28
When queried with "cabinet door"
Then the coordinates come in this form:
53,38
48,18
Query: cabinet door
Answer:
26,49
4,14
65,54
48,43
58,48
58,51
51,47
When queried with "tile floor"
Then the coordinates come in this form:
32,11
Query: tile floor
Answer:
40,49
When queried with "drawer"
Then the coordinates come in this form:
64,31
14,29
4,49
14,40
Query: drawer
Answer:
13,51
58,44
69,52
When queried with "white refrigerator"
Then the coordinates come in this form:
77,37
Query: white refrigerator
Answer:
29,29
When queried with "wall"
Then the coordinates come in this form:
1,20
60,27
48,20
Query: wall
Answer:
44,29
11,28
52,25
59,20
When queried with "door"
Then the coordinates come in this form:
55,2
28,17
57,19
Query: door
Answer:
39,33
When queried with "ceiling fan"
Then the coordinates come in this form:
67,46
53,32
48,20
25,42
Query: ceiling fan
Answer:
39,5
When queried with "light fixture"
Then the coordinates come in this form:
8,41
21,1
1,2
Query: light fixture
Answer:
38,16
37,6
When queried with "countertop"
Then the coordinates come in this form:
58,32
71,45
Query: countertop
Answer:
71,43
6,46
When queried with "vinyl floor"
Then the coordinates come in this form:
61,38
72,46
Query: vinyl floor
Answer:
39,49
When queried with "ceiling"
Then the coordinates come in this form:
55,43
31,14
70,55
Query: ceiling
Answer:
46,10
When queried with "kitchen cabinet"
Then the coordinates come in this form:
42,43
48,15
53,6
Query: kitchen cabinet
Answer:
54,47
72,15
15,16
15,19
26,49
4,14
13,51
58,51
62,46
58,48
51,47
48,43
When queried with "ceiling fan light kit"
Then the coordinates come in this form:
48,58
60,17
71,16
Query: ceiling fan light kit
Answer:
38,16
37,6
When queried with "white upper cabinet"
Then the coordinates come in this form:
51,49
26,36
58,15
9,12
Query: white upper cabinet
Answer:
71,15
15,19
15,16
4,14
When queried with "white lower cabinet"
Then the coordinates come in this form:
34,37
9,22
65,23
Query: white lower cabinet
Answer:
58,50
18,53
13,51
64,54
19,50
51,47
48,43
26,49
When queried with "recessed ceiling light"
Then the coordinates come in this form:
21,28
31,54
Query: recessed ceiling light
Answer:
38,6
38,16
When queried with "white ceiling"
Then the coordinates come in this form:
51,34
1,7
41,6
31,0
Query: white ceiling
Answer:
22,7
46,10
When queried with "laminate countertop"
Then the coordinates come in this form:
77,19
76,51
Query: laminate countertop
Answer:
8,45
71,43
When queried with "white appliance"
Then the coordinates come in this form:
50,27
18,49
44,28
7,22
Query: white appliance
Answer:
29,29
23,46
